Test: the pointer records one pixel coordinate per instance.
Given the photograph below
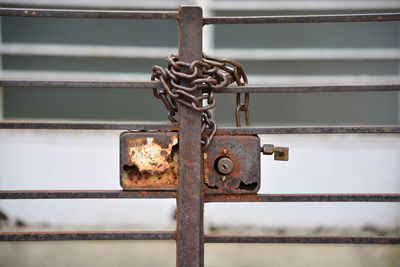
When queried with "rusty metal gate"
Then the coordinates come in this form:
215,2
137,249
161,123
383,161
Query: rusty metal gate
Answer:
189,189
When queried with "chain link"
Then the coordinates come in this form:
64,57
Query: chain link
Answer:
207,74
242,107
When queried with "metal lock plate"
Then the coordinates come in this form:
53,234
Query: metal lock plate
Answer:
244,153
149,161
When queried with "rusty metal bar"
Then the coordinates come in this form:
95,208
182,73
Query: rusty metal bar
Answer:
170,235
80,84
190,229
300,239
229,89
114,194
53,125
69,194
138,126
309,89
303,18
87,235
373,129
90,14
304,198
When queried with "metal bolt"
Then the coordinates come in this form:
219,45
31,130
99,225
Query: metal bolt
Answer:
224,165
267,149
225,151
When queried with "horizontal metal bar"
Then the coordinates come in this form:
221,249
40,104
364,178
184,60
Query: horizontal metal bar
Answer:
138,126
170,235
309,89
123,4
300,239
303,18
288,54
80,84
229,89
275,80
303,198
373,129
95,51
266,5
134,126
87,235
72,75
92,14
321,80
113,194
300,54
73,194
284,5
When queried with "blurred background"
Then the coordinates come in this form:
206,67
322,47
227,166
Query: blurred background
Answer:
280,54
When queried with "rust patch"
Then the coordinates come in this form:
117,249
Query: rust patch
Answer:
149,161
149,156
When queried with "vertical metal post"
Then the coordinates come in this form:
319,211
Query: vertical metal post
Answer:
190,232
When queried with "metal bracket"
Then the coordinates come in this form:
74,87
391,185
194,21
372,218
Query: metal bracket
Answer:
149,160
232,165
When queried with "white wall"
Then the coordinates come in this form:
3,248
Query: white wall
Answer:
41,159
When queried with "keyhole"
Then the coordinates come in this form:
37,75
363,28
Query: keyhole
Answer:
224,165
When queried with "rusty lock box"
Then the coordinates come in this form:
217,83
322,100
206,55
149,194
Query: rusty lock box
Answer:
149,161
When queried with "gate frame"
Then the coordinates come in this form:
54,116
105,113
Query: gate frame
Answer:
190,196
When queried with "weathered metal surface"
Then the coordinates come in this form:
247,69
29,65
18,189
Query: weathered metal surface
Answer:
303,239
303,18
81,194
348,129
113,194
92,14
303,198
170,235
190,230
80,84
244,152
140,126
226,90
87,235
149,161
54,125
309,89
65,194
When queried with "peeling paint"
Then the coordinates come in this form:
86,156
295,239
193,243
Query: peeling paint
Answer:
150,156
149,161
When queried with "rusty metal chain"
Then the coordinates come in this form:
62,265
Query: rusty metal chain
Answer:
242,107
207,74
